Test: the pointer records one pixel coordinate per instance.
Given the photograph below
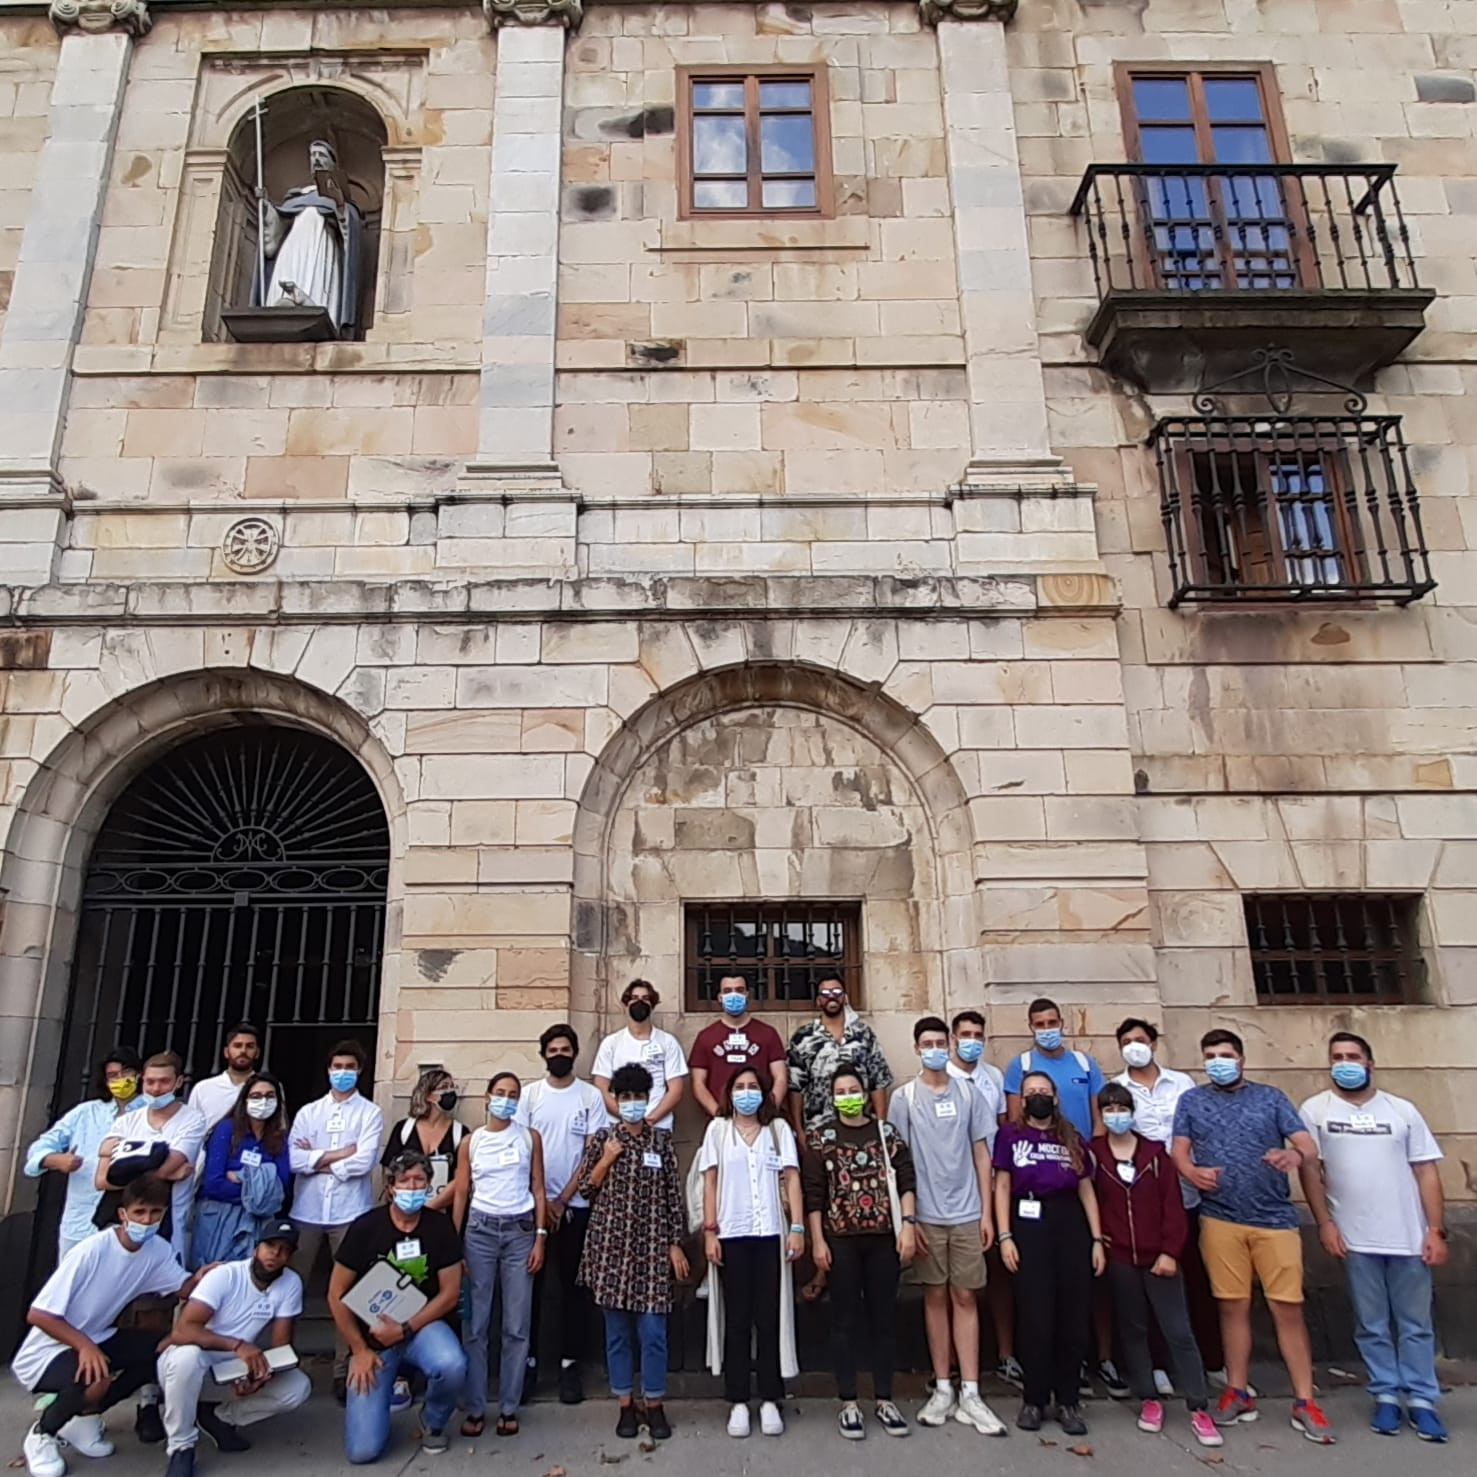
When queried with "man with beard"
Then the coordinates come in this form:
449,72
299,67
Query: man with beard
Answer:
242,1054
838,1037
233,1305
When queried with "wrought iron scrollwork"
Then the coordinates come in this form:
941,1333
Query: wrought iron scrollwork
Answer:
1277,377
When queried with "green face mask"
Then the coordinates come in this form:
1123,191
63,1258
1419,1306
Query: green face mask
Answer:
850,1104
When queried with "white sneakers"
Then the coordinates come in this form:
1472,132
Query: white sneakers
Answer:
771,1422
974,1412
43,1454
738,1421
939,1408
84,1433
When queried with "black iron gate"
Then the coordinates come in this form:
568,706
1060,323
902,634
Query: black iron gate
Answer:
240,877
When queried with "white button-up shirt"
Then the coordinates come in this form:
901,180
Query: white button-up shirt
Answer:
344,1191
1153,1113
989,1082
749,1176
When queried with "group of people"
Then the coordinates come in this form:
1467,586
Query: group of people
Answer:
1138,1212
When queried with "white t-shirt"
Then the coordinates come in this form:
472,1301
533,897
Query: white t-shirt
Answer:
989,1082
502,1171
185,1131
241,1309
749,1176
214,1097
1153,1114
564,1117
660,1054
97,1279
1367,1150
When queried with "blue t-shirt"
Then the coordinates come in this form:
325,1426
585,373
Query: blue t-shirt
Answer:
1230,1130
1076,1088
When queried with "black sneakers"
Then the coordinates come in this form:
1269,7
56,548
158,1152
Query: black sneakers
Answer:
657,1422
1029,1418
627,1426
571,1389
1069,1418
181,1463
226,1437
148,1426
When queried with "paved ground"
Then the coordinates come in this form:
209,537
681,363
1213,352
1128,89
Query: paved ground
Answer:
582,1442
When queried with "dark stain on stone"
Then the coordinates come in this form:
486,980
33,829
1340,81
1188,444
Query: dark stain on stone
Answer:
801,13
702,829
595,200
656,351
857,782
24,651
433,963
587,925
1337,150
1329,634
1141,782
1008,785
1445,89
138,167
648,123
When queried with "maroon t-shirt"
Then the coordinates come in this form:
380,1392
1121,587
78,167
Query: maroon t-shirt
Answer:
723,1049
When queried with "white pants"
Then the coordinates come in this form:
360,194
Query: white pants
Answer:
183,1369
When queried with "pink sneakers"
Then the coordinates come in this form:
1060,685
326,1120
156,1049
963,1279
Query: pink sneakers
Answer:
1151,1416
1205,1429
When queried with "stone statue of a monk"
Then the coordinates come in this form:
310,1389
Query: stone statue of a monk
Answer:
314,242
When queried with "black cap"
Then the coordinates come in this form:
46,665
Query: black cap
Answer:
282,1230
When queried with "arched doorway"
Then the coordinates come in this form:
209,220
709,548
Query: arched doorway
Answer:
242,875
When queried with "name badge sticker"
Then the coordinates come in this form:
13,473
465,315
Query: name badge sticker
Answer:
1029,1210
945,1109
1364,1122
408,1249
651,1161
507,1157
251,1158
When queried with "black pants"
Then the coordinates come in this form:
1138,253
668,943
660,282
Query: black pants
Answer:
132,1358
1053,1299
576,1308
864,1269
751,1301
1135,1291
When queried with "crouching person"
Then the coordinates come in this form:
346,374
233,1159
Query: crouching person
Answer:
231,1309
75,1349
397,1278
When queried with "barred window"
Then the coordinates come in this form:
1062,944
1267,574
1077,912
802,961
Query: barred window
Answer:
1335,946
784,950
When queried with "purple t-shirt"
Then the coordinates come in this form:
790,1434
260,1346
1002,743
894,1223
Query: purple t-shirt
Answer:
1037,1162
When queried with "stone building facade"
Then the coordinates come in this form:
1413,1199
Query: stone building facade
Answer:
863,558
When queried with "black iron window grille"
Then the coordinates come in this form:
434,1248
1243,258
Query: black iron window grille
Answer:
1269,505
1324,947
784,950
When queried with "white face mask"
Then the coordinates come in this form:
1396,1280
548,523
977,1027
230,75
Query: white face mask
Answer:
1137,1053
261,1108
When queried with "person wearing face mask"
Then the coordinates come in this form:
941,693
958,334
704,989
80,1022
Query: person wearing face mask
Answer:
1052,1242
1375,1193
753,1229
233,1305
500,1208
70,1145
1237,1142
413,1257
861,1203
1076,1076
949,1128
733,1042
75,1350
837,1038
648,1046
564,1111
430,1129
248,1171
633,1250
1145,1228
335,1143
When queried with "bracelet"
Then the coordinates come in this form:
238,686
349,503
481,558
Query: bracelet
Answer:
797,1230
1005,1236
710,1228
542,1231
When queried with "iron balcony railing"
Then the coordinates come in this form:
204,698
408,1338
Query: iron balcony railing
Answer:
1265,228
1290,508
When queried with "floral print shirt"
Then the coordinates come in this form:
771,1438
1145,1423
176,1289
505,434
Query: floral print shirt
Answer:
815,1055
845,1180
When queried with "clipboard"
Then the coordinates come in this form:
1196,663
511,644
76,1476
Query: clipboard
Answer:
384,1292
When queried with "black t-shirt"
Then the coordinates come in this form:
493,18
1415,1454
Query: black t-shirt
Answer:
374,1237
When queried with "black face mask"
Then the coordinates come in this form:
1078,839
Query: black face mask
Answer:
446,1101
559,1066
1040,1107
263,1277
640,1010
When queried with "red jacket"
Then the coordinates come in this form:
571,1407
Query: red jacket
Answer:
1144,1220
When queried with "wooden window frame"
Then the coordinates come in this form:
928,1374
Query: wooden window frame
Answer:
820,116
848,911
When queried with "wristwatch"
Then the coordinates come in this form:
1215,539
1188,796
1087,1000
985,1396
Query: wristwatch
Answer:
910,1220
406,1331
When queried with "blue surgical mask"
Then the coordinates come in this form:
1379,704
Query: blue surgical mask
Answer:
411,1201
971,1051
748,1100
1119,1121
1050,1039
158,1099
139,1232
1222,1070
502,1107
1351,1076
343,1081
935,1058
634,1112
734,1003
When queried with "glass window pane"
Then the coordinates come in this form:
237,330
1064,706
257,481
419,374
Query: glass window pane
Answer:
1233,100
1241,146
784,94
719,145
789,194
719,194
1161,97
1168,146
786,144
717,94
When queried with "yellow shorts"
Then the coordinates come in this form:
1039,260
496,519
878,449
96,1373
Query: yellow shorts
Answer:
1235,1255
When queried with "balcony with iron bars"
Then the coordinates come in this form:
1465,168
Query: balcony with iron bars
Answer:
1197,265
1261,504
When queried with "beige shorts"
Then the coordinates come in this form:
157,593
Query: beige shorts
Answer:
1235,1255
954,1257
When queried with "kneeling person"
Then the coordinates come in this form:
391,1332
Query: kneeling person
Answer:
231,1308
75,1349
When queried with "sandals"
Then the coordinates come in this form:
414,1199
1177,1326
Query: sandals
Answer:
474,1425
507,1425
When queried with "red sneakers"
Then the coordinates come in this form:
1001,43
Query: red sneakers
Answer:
1234,1405
1308,1418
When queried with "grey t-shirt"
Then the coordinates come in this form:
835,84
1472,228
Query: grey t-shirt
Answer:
942,1128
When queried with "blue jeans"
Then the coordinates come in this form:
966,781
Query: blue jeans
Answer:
435,1352
497,1251
624,1330
1393,1326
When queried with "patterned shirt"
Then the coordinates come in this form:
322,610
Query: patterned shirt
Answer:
844,1178
815,1054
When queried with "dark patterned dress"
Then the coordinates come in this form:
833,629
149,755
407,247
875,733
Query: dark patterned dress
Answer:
636,1218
